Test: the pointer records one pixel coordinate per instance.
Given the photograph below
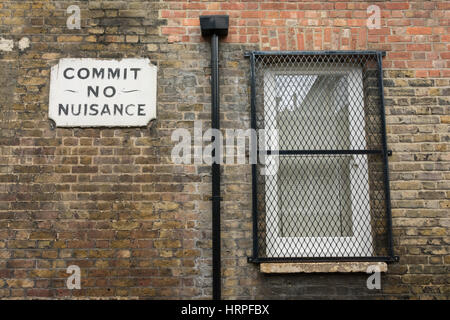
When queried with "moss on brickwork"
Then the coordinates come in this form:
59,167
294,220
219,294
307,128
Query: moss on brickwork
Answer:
112,202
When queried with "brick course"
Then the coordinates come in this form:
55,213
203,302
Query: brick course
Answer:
112,202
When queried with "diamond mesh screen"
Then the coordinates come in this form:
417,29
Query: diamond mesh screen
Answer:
320,190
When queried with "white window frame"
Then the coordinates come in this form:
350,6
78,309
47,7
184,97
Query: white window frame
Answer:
359,245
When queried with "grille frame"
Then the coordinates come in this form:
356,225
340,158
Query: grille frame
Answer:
344,58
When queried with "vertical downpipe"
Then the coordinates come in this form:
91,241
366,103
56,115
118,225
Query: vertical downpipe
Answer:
215,26
215,124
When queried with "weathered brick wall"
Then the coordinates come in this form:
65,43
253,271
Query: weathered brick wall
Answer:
111,200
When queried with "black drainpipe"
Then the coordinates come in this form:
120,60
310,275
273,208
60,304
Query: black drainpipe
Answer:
215,26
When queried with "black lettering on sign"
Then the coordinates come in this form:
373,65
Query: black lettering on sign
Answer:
78,112
81,71
141,109
98,73
101,73
126,109
65,73
118,109
112,89
94,91
135,70
113,73
94,109
105,110
63,109
108,91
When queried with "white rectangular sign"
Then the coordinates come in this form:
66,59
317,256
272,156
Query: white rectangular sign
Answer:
103,93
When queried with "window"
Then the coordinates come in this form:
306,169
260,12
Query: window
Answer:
322,192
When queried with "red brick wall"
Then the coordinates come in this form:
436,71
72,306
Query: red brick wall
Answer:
415,33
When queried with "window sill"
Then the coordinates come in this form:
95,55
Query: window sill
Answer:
320,267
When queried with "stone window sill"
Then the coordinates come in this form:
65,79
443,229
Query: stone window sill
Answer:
320,267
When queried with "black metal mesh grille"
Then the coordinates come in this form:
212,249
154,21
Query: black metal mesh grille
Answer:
321,190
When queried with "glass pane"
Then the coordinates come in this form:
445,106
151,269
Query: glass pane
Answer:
312,111
314,197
